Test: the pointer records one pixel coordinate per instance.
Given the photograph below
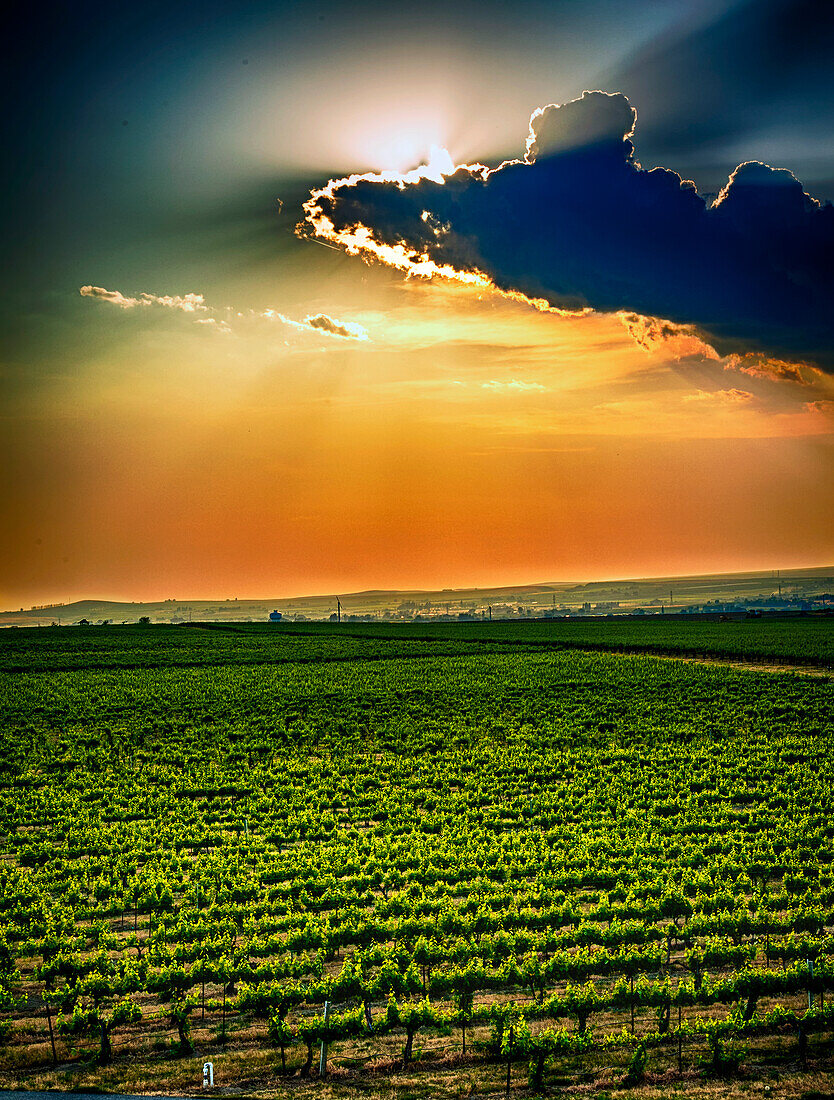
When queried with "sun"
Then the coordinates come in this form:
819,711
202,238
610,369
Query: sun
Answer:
439,164
400,143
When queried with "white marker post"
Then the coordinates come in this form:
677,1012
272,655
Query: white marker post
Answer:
323,1056
208,1075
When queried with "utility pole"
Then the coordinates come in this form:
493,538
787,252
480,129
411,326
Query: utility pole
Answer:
338,610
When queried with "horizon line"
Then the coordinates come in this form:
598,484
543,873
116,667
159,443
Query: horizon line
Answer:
323,595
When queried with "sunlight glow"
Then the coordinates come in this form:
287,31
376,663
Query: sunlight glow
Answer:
359,239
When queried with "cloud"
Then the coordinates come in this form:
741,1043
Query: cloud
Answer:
188,303
196,303
777,370
654,332
344,329
721,397
513,385
114,297
319,322
578,224
219,326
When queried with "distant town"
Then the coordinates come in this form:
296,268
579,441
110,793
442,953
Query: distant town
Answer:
737,595
428,612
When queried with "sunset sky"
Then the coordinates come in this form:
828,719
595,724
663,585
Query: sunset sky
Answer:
210,389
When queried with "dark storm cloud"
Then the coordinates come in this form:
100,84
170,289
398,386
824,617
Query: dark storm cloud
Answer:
581,224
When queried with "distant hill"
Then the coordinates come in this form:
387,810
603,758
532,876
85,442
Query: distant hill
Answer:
790,588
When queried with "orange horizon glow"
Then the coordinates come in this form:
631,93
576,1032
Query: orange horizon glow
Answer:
227,593
468,441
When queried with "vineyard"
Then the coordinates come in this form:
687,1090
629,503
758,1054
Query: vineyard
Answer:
806,641
415,861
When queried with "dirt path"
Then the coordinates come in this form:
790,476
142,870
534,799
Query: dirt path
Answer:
747,665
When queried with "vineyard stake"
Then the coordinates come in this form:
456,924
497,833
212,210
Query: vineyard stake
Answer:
509,1062
51,1036
810,980
323,1056
632,1004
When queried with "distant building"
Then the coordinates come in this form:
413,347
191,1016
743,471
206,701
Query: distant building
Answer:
275,616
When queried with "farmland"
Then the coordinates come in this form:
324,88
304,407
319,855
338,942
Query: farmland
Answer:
495,852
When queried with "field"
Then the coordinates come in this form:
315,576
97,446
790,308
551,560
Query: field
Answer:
461,855
807,641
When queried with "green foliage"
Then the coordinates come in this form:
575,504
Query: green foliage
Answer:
636,1071
93,1020
725,1055
391,823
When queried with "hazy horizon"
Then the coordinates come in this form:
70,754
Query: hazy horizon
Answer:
783,573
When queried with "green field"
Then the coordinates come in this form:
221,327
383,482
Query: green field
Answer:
805,641
802,641
480,836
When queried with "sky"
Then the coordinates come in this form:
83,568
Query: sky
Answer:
312,298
